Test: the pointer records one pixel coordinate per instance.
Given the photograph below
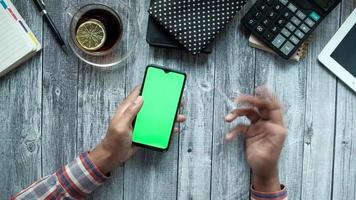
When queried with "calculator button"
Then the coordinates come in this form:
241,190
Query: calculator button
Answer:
284,2
287,14
314,16
262,7
290,26
295,21
274,29
292,7
309,22
268,36
266,22
301,15
269,2
251,22
285,32
278,41
257,15
294,39
272,15
277,7
299,34
287,48
304,28
260,29
281,22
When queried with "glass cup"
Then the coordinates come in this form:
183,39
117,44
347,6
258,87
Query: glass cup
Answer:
121,28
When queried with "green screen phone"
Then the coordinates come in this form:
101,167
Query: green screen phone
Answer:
162,92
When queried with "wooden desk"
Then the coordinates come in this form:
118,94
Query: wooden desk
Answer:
54,107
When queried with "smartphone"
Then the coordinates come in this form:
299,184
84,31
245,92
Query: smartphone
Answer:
162,91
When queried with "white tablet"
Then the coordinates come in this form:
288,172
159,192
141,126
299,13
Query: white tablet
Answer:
339,55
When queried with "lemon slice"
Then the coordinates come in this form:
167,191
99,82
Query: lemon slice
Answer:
91,35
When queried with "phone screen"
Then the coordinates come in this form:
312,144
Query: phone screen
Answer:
161,91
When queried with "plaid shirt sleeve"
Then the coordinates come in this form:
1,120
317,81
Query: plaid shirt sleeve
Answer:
278,195
73,181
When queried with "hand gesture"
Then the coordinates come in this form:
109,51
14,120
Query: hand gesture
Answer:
264,137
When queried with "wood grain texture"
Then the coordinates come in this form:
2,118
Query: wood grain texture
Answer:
344,181
99,93
149,174
60,79
319,117
195,144
20,116
53,107
98,96
288,80
234,75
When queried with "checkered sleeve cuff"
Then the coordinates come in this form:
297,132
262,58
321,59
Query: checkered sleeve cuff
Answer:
73,181
81,177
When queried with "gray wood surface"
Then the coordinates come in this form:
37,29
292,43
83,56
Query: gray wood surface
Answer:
20,116
54,107
344,176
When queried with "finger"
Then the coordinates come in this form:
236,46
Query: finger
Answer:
250,113
181,104
254,101
180,118
130,98
133,150
134,94
265,93
176,130
132,110
239,129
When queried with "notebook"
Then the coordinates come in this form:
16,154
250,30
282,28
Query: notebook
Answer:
297,56
194,23
158,36
17,42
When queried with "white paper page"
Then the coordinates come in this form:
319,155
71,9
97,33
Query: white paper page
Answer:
36,42
14,44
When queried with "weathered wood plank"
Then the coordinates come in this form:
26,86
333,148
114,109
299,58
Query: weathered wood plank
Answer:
344,182
234,74
20,116
319,118
288,80
149,174
99,93
98,96
60,77
195,143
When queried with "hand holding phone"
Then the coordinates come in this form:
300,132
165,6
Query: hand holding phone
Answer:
162,91
117,147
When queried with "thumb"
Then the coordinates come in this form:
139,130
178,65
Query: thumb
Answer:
132,110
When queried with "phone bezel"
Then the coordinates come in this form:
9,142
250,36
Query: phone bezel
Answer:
177,109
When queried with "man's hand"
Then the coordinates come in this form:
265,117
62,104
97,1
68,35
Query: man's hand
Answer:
117,147
264,137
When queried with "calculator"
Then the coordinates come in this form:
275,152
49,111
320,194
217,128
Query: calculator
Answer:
283,25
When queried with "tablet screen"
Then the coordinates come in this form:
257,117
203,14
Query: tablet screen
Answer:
345,52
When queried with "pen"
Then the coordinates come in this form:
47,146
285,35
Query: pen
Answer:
41,6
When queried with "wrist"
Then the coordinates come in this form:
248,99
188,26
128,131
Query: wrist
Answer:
103,158
266,183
